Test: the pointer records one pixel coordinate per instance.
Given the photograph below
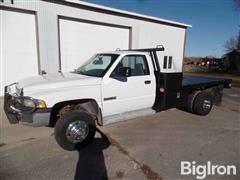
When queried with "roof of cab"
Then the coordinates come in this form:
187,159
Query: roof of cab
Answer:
127,13
123,52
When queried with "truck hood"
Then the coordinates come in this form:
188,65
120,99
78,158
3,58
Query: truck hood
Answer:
57,80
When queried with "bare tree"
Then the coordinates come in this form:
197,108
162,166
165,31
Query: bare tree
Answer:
234,42
231,44
237,4
238,41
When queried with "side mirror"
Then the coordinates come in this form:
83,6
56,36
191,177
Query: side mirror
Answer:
124,71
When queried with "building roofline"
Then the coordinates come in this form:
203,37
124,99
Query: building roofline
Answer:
123,13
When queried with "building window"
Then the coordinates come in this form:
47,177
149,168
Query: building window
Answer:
170,62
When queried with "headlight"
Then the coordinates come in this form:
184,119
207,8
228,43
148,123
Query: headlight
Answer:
28,102
25,104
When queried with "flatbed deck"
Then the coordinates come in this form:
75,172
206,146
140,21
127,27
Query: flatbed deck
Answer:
195,82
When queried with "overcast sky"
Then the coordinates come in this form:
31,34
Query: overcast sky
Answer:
213,21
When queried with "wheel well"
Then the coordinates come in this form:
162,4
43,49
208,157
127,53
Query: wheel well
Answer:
86,105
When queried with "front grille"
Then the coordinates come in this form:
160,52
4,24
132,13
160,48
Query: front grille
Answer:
10,113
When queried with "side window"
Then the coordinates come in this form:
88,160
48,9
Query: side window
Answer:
165,62
137,64
170,62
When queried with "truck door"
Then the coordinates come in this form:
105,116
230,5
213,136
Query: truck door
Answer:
136,91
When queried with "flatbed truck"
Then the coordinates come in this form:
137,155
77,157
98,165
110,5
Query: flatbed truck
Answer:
109,84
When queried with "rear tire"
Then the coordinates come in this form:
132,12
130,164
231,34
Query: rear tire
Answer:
74,130
203,103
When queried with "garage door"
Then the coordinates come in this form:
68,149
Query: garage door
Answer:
18,58
80,40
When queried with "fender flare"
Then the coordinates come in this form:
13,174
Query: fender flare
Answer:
86,105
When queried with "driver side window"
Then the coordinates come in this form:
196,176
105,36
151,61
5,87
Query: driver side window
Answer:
136,63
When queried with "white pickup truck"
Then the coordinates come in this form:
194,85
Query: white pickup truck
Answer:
109,84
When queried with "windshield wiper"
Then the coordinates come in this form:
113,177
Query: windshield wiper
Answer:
78,72
82,73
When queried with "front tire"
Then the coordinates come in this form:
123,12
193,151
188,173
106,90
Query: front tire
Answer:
74,130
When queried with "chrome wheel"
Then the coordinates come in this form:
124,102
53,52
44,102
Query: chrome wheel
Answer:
77,131
206,104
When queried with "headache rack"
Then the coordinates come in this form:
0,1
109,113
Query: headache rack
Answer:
153,54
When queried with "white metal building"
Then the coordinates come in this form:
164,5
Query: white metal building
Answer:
47,36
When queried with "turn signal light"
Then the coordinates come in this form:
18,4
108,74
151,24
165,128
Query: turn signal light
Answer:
42,104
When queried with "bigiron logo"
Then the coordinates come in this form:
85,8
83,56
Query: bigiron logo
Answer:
209,169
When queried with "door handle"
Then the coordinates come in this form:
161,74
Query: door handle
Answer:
147,82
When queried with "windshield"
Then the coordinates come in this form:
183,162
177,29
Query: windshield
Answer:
97,65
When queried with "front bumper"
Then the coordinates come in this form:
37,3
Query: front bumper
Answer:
39,117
